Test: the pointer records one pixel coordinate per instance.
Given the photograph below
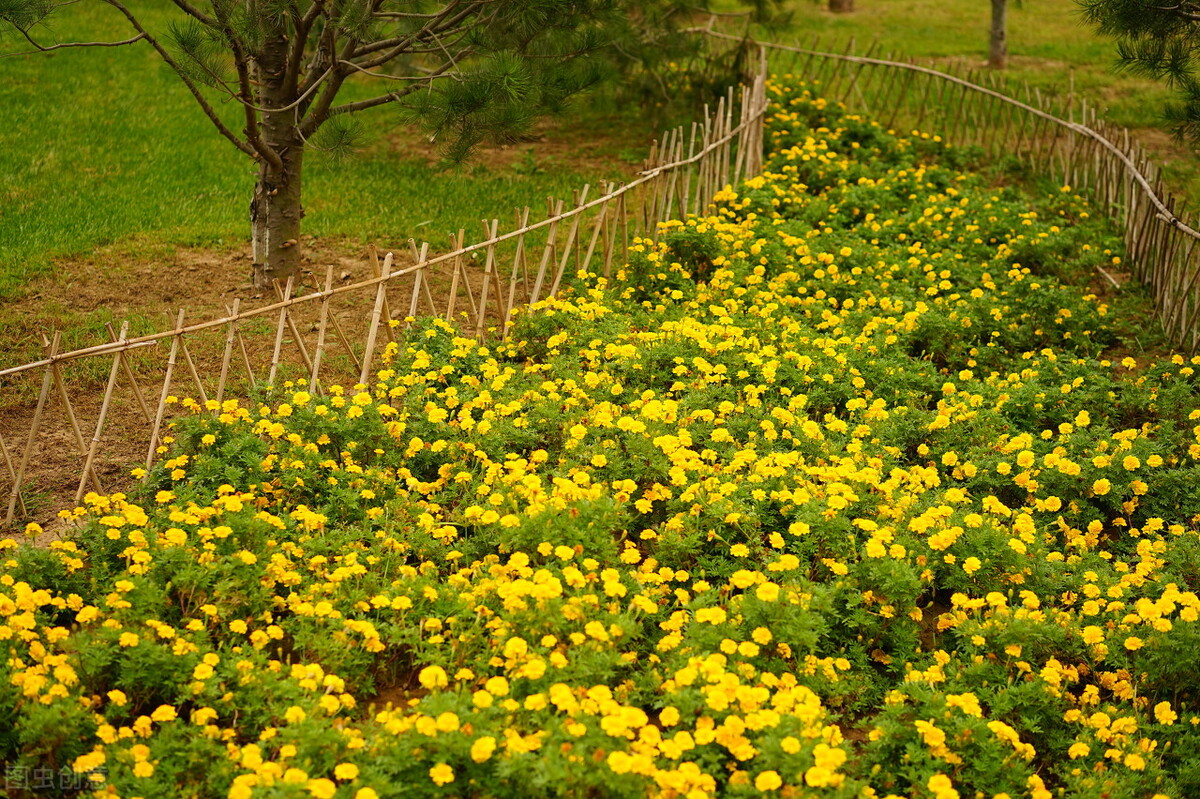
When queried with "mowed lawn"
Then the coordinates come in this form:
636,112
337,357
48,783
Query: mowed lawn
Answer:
106,146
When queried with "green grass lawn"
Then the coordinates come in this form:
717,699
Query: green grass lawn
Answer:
106,147
100,145
1049,46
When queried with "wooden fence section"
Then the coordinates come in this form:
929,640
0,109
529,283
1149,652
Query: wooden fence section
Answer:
1058,138
316,335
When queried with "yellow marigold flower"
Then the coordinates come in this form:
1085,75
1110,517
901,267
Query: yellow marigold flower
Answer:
767,592
1101,487
1078,750
345,771
768,781
322,788
1164,713
483,748
1133,643
433,677
441,774
942,787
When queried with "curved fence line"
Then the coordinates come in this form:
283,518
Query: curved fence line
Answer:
336,332
1103,141
645,176
1161,245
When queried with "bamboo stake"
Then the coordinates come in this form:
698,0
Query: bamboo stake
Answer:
187,356
299,339
283,313
612,237
555,213
518,259
34,427
466,284
104,404
723,160
387,312
227,358
12,474
385,270
500,309
245,353
166,391
61,385
571,238
457,248
676,155
433,311
418,279
687,175
597,226
489,232
137,389
341,335
646,193
321,328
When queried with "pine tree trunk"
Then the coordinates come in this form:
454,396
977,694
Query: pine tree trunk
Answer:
998,50
275,215
276,210
841,6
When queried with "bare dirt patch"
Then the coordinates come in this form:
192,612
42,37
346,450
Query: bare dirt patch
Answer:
108,286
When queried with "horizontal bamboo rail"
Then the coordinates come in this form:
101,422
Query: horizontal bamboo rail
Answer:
1160,244
488,279
684,170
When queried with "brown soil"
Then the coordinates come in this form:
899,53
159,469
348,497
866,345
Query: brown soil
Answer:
207,282
121,282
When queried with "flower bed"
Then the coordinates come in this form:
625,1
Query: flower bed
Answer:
829,493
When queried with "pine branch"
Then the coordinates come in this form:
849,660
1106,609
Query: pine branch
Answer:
391,97
44,49
303,27
384,99
191,85
241,61
195,13
449,17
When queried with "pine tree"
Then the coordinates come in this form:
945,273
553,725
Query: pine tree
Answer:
1161,41
463,70
998,36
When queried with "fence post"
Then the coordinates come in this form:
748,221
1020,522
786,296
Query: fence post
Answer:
166,392
376,315
19,477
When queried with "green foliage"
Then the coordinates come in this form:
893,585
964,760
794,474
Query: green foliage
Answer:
1159,41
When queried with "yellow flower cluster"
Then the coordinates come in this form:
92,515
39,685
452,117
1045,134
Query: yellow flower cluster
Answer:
834,491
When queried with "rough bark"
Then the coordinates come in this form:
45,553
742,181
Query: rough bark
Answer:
998,40
276,210
841,6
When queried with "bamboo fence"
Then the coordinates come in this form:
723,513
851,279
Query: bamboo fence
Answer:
1058,137
324,333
